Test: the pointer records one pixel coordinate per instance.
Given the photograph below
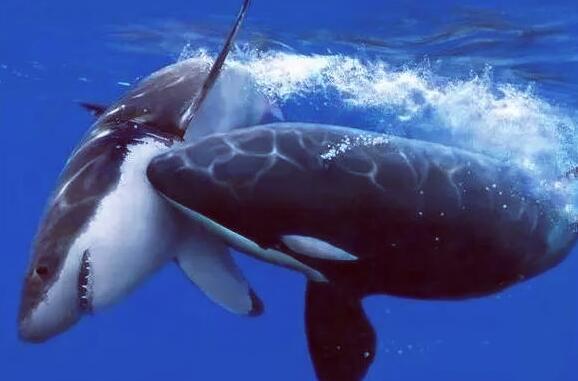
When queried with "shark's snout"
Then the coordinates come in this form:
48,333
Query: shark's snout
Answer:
53,303
42,324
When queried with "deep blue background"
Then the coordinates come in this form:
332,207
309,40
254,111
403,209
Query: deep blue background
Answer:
167,329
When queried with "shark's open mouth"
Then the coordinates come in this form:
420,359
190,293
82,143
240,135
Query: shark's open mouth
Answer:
85,284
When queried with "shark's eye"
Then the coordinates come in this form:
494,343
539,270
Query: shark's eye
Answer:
41,270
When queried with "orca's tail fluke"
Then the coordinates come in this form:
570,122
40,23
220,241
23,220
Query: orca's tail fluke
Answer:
195,103
340,337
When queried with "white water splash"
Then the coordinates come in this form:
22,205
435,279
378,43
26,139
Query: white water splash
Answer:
348,143
500,120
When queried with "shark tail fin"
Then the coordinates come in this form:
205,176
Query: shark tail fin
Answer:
196,102
340,337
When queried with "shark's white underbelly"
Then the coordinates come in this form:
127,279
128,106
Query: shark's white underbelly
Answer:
131,233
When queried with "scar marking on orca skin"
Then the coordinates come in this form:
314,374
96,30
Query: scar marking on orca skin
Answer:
234,148
277,154
236,145
210,172
450,174
300,139
270,163
411,168
234,152
372,175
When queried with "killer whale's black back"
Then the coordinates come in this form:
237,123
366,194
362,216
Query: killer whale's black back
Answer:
424,220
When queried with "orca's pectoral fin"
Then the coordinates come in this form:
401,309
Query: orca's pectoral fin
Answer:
94,108
208,263
340,337
316,248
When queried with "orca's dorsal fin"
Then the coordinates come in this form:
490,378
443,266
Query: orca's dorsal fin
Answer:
94,108
193,106
340,337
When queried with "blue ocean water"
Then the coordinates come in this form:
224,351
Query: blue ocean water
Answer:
498,77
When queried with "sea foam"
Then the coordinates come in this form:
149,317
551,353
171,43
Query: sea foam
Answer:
509,122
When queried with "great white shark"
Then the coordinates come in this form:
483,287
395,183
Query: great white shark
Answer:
371,214
106,229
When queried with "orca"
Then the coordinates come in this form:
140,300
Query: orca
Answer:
106,229
370,214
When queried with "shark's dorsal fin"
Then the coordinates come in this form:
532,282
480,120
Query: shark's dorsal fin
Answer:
195,103
94,108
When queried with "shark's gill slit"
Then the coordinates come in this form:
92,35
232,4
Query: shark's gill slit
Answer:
85,284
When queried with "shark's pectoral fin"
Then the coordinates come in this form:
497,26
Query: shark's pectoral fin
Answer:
209,265
316,248
340,337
